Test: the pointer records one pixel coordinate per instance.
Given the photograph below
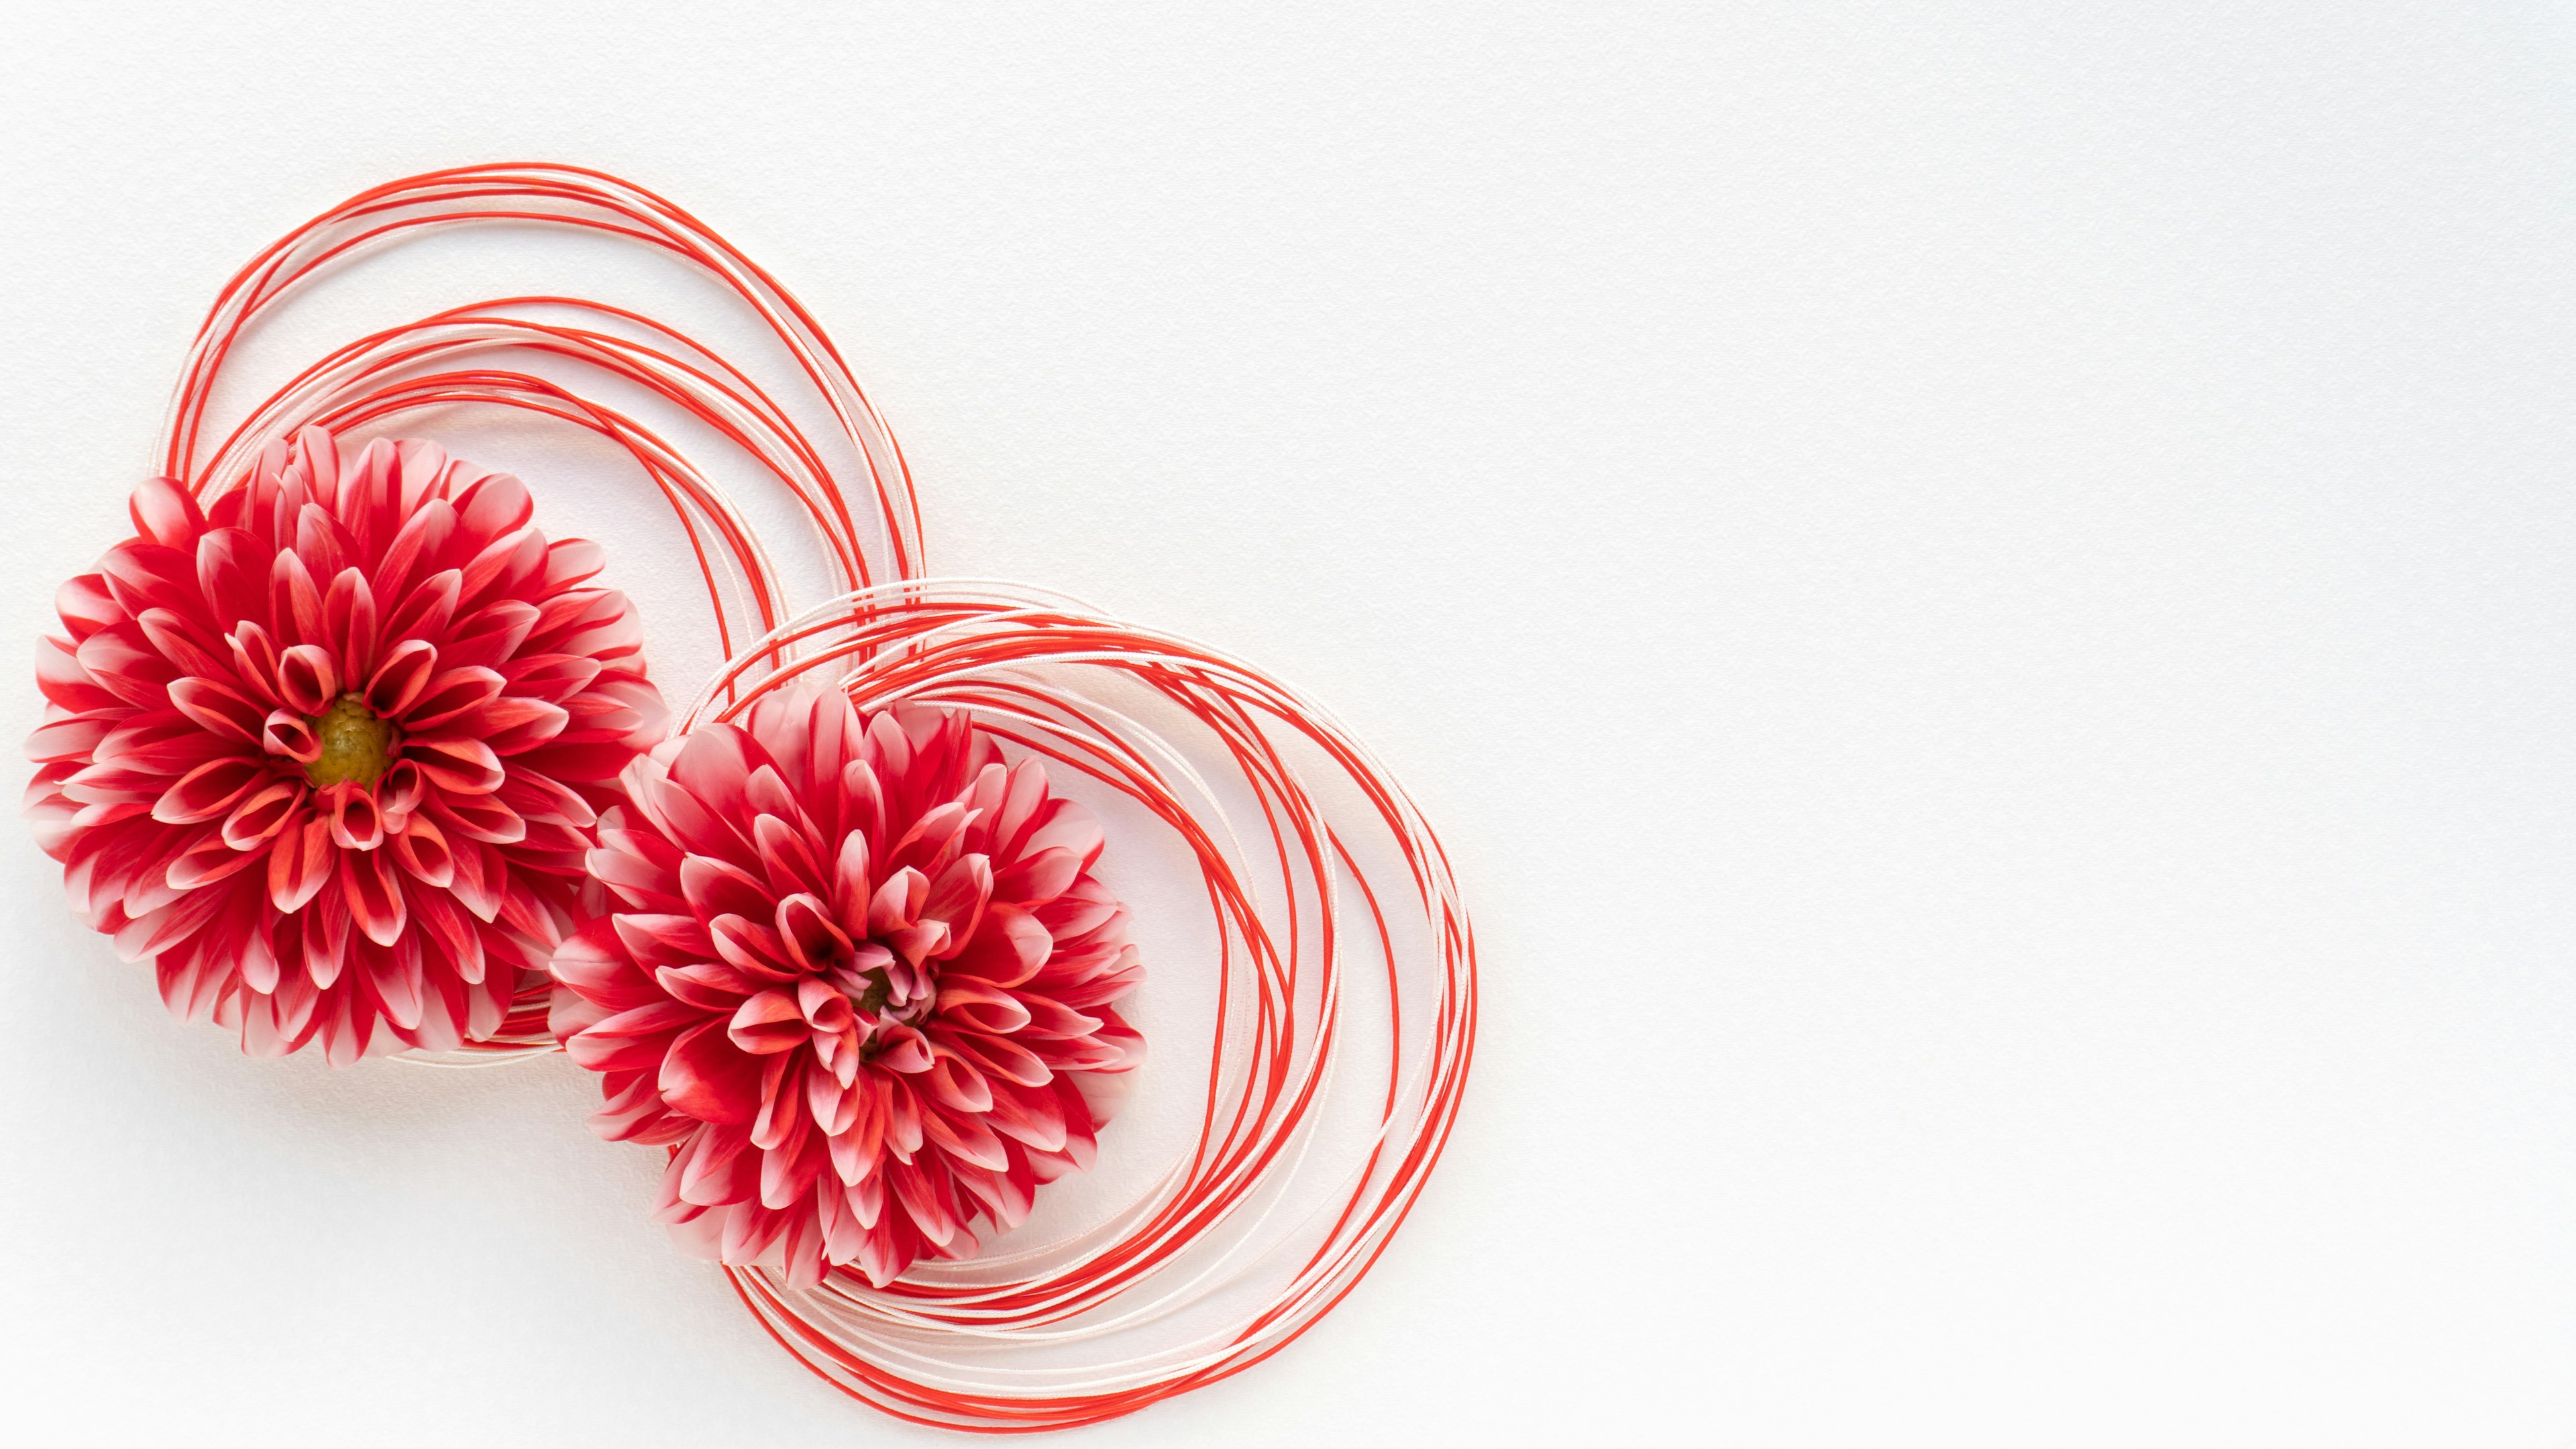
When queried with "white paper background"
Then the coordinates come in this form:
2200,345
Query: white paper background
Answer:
1982,597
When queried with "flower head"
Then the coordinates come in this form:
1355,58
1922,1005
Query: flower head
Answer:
327,751
859,972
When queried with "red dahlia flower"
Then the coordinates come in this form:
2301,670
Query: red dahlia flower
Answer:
860,977
326,751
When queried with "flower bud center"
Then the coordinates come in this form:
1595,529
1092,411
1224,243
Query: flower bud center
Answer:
873,1000
357,747
881,1005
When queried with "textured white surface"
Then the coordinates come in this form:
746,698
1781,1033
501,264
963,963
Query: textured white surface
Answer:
1982,597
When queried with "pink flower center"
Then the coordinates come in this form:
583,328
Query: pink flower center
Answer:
356,746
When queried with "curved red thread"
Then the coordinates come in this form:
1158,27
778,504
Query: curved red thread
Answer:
1030,668
868,535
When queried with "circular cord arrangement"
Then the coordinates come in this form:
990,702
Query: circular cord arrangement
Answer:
1336,864
420,365
449,358
1329,899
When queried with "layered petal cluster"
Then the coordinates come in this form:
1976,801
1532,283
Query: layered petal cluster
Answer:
328,751
858,981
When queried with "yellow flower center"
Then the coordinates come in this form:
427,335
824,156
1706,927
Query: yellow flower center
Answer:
356,746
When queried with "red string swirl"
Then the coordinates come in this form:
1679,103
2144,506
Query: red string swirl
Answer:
1340,930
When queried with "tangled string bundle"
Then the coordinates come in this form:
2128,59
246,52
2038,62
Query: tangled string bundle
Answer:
361,758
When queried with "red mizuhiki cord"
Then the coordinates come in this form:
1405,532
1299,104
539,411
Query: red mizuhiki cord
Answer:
1339,887
477,354
1244,1204
390,372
